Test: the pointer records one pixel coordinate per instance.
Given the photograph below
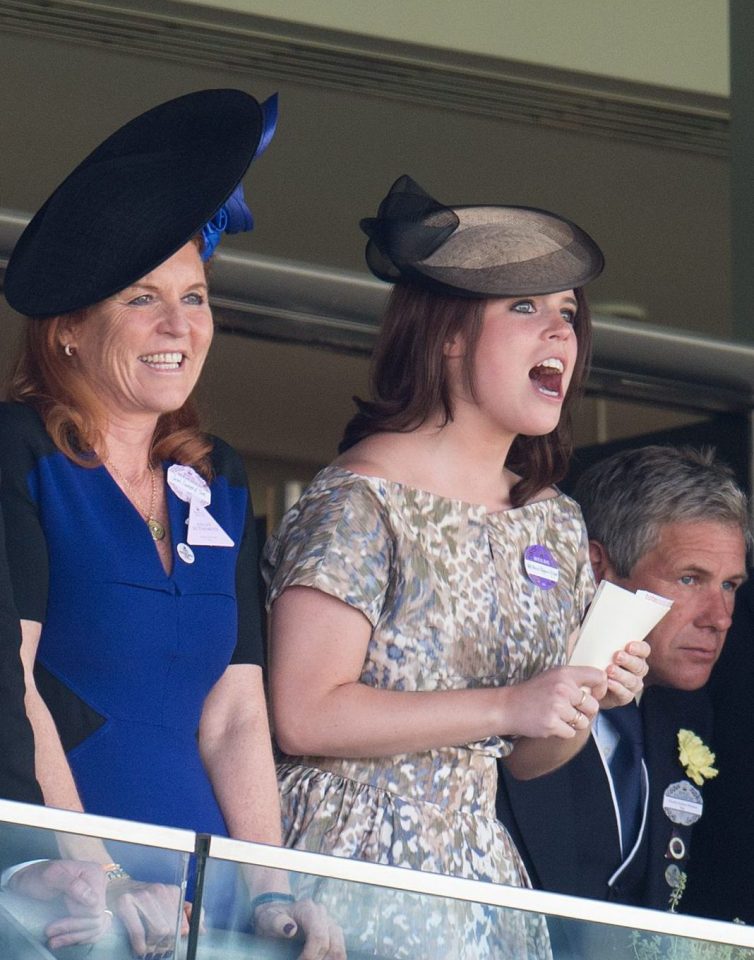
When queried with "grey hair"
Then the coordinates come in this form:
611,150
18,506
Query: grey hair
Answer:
627,498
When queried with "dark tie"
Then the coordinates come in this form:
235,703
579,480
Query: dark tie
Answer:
625,769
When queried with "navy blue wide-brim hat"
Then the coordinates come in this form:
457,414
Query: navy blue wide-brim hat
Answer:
135,200
476,251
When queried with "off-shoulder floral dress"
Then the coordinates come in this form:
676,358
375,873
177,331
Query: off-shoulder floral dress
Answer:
443,584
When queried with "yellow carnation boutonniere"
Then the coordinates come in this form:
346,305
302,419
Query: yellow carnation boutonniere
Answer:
696,757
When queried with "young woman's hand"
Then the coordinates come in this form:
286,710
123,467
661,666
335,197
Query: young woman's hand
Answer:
556,703
306,920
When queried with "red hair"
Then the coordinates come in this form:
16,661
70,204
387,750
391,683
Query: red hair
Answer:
45,379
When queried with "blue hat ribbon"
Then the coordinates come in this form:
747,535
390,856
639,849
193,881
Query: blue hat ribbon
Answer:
234,215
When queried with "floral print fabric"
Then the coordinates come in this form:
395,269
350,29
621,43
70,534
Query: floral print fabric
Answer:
443,585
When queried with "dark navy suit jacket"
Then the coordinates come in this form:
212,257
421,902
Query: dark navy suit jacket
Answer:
721,875
565,824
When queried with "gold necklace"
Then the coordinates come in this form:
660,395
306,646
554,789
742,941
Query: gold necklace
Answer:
155,527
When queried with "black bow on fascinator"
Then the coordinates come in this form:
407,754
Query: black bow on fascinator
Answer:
166,176
476,251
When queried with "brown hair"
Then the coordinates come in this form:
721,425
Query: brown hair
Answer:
409,381
45,379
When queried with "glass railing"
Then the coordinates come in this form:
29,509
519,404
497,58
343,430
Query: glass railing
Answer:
381,912
54,888
392,913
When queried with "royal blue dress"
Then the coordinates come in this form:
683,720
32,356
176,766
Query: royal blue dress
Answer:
127,653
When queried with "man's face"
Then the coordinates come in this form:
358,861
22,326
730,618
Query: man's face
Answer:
698,566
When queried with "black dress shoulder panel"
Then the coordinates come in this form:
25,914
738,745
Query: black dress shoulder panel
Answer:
227,463
17,780
23,442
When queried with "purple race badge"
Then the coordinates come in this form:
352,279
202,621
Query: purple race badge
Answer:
541,567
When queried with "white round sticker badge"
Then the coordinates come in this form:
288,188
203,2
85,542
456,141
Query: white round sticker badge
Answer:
682,803
185,552
186,484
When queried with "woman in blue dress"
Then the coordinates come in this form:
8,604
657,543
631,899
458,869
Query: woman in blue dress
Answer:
130,532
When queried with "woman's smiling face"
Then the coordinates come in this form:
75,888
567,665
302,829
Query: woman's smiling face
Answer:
524,362
142,350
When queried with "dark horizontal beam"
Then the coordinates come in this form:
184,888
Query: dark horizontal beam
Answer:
481,85
275,299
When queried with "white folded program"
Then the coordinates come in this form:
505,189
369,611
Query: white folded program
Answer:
615,617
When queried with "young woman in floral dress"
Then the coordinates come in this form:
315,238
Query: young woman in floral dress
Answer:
426,587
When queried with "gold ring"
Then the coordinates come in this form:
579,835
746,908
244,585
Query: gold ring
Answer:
575,719
583,698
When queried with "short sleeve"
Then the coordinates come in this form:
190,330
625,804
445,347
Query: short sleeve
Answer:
584,585
337,539
23,441
249,647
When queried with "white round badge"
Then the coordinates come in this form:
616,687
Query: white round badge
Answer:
682,803
186,484
185,552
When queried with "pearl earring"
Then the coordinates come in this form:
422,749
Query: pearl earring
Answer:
68,350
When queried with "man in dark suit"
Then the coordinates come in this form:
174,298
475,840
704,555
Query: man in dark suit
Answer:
615,822
721,875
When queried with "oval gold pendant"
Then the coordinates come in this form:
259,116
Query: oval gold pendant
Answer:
156,529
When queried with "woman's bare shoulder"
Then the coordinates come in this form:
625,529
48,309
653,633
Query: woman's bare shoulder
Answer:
375,456
546,493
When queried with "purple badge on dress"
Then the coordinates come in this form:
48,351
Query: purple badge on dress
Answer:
541,567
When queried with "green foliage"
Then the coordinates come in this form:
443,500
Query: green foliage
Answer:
655,947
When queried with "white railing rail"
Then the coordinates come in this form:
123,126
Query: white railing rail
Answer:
396,878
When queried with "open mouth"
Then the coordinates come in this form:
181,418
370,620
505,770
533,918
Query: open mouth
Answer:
163,361
548,377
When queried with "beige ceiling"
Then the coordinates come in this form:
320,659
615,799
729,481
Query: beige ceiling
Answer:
677,43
